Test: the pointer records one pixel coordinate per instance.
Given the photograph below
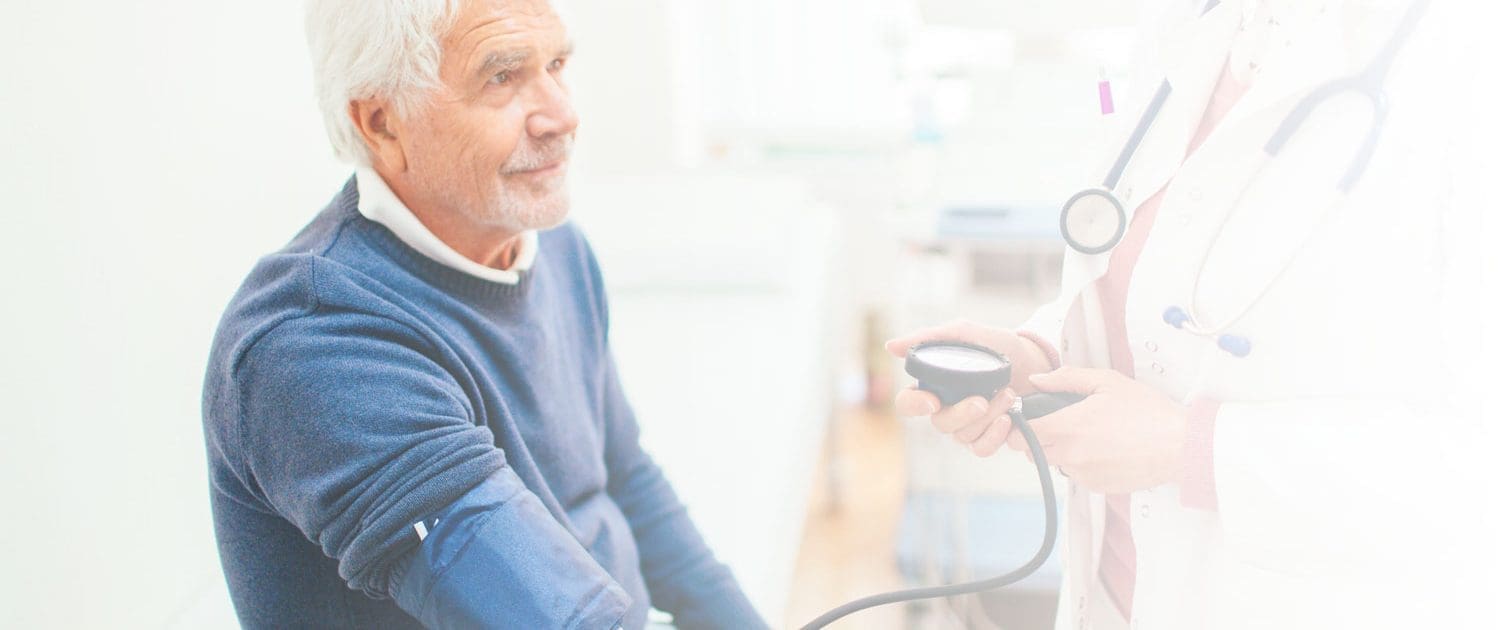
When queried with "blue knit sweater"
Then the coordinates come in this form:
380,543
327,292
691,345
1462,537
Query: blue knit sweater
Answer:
357,388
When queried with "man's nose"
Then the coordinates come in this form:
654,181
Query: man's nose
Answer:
554,114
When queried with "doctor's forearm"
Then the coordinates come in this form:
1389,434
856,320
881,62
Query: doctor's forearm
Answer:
1038,356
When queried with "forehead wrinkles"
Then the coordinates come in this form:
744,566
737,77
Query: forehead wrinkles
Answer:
489,25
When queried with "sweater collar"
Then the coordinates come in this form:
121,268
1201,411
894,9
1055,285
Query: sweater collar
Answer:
482,292
379,204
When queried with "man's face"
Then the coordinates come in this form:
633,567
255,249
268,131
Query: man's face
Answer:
493,143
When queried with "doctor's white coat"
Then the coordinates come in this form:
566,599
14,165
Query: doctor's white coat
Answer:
1342,447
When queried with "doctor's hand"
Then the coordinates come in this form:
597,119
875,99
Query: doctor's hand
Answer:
982,425
1125,436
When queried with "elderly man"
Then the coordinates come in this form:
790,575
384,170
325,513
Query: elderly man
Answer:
415,398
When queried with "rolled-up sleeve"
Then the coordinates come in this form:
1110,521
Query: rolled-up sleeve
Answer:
352,433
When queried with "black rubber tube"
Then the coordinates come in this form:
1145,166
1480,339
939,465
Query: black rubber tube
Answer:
1049,540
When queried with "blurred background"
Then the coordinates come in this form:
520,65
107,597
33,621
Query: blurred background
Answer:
774,188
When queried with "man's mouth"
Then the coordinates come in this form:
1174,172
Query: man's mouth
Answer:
545,170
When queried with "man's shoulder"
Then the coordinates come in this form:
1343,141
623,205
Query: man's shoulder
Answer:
306,278
315,290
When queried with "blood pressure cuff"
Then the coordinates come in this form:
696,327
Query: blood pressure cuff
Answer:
496,558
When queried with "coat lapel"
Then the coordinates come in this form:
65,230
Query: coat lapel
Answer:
1281,202
1308,53
1195,51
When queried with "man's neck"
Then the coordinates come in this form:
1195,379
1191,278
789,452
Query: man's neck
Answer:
484,244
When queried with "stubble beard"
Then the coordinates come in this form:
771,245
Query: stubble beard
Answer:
522,203
526,206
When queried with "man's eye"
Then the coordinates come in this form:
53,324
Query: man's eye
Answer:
500,78
557,64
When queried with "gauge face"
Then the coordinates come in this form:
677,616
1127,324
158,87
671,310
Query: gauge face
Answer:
959,358
1093,221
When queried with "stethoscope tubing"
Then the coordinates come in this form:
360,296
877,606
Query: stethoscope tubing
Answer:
1138,135
1368,83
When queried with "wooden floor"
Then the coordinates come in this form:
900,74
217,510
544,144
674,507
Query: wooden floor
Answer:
849,541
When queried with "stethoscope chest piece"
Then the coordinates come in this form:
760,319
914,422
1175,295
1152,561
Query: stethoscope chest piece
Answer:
1093,221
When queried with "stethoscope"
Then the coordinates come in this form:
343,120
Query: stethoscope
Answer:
1093,221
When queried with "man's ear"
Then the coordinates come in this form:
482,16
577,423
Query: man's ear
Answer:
380,132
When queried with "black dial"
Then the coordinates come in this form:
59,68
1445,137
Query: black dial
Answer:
953,370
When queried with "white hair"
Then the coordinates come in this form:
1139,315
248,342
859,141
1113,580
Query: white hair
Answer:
363,49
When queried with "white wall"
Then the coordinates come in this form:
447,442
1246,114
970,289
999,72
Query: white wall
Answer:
149,153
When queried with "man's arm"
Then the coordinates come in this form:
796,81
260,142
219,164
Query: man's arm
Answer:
353,434
681,572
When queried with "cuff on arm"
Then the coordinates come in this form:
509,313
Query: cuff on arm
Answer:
496,557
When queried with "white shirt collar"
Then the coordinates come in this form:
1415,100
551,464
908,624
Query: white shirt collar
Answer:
377,203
